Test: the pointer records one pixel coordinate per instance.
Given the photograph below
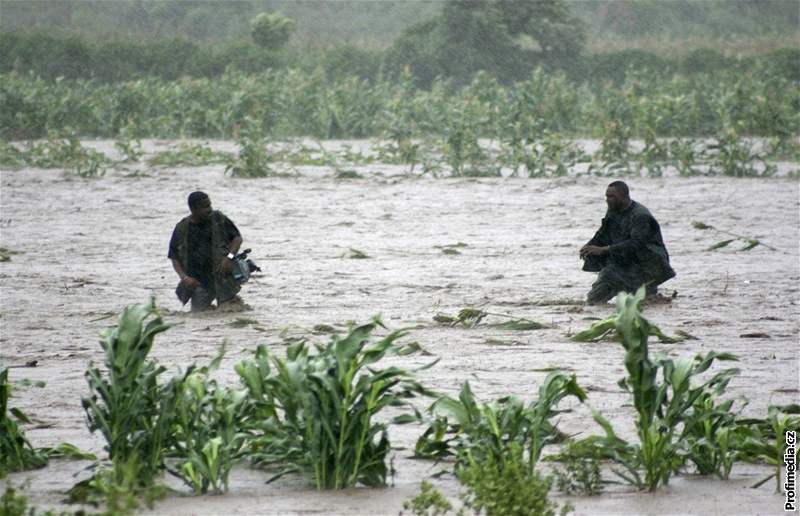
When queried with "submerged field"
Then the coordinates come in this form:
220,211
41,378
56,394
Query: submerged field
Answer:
86,248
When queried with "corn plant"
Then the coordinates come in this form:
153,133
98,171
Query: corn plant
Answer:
65,152
471,317
16,452
253,160
651,159
683,153
712,434
293,102
11,156
784,147
733,156
461,149
607,329
128,407
662,408
615,142
749,242
474,431
206,435
129,146
765,439
315,413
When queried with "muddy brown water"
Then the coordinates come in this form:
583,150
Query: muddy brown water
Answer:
86,248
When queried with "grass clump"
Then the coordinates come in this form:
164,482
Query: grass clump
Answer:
429,502
579,471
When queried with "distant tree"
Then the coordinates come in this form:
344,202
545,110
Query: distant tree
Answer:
506,38
271,31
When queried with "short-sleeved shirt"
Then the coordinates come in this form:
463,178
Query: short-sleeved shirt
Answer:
200,256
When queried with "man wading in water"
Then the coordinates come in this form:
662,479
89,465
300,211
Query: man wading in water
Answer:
627,250
202,249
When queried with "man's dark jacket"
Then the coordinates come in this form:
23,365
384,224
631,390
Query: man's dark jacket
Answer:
225,286
633,237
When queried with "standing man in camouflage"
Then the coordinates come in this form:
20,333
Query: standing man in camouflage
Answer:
202,249
627,250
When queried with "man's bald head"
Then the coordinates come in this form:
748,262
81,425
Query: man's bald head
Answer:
618,196
622,188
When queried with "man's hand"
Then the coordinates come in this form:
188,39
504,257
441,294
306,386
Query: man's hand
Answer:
225,265
592,250
190,282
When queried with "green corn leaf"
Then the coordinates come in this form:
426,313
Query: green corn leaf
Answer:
444,319
520,325
448,407
20,415
721,244
596,331
750,243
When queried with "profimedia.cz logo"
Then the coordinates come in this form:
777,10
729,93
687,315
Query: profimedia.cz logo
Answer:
790,462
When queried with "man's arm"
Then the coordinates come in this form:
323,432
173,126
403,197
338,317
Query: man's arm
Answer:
234,243
596,246
226,264
593,250
186,280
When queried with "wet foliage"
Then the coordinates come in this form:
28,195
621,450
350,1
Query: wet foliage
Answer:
682,416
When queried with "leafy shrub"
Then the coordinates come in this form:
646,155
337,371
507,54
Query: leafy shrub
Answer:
508,488
579,471
429,502
271,30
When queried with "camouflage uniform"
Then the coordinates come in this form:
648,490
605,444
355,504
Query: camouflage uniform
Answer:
636,254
